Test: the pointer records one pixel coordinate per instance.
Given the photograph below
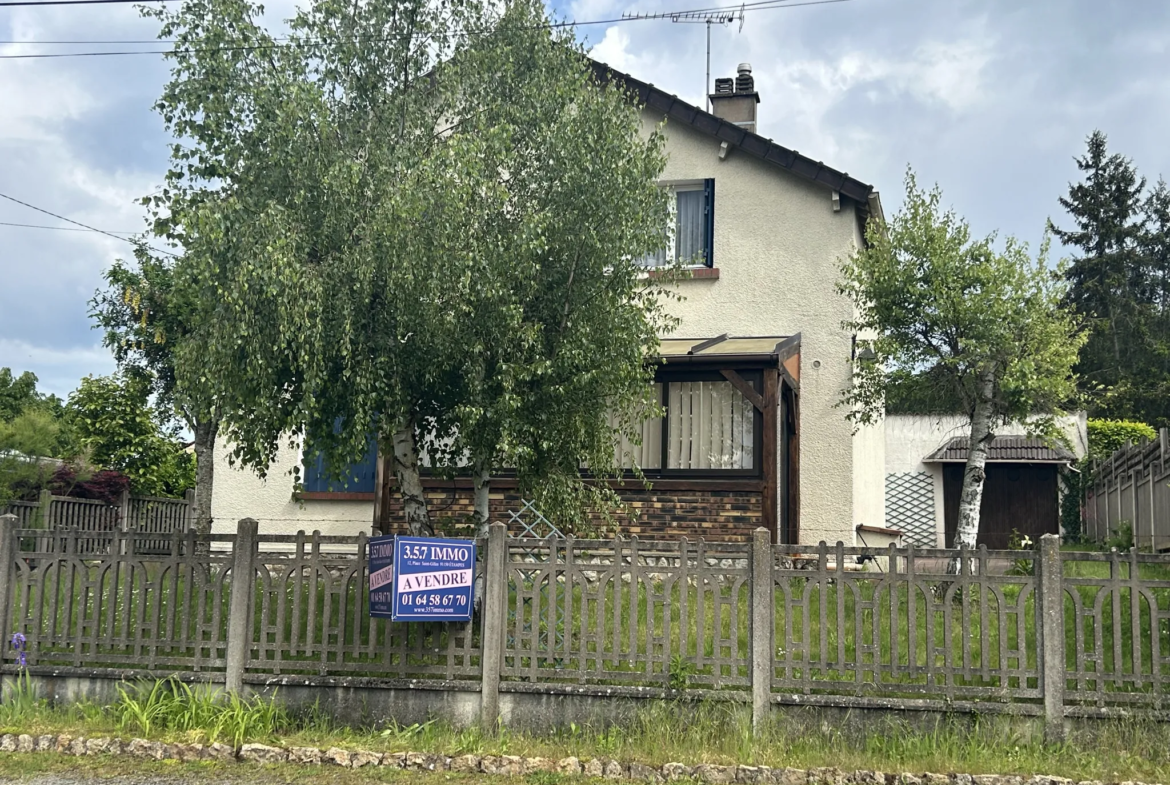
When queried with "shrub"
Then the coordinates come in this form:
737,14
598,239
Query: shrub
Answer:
1108,436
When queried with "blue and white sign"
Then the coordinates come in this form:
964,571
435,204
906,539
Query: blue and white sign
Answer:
433,579
380,556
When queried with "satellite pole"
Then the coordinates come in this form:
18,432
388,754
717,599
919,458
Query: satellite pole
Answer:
699,17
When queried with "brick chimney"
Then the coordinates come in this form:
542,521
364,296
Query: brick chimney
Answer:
735,100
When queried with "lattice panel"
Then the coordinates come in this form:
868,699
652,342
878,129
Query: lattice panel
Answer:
910,507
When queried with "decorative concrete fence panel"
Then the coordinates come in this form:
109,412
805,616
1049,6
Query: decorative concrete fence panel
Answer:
310,617
624,613
908,629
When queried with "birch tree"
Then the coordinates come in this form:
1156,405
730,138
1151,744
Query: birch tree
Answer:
417,218
981,322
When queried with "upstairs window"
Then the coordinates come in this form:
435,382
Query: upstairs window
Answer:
693,214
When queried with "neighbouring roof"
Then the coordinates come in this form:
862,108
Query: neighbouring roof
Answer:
1004,449
801,165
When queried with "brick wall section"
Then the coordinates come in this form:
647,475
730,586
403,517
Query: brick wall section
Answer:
662,514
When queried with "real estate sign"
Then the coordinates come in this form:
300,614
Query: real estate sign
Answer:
431,579
380,556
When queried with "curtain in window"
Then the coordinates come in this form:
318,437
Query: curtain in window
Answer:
692,228
648,454
711,427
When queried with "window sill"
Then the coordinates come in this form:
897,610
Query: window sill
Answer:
696,274
334,496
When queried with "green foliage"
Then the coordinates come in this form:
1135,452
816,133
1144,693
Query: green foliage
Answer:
115,424
1121,538
144,314
19,394
170,705
437,241
941,305
1108,436
21,703
1120,285
681,670
1073,484
27,446
1018,542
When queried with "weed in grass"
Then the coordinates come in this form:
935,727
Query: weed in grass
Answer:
173,706
21,702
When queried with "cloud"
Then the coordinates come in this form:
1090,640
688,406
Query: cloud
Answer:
58,369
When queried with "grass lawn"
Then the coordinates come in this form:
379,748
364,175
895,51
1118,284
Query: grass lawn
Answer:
1109,751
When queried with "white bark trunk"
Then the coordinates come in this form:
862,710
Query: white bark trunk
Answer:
414,501
975,472
205,433
482,482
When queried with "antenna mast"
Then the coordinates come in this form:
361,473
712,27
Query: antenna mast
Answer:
707,18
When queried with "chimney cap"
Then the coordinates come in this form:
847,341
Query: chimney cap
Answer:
744,68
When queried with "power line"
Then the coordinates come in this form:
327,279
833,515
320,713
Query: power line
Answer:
71,2
59,228
136,243
761,5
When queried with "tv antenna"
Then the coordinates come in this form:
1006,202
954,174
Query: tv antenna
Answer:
709,18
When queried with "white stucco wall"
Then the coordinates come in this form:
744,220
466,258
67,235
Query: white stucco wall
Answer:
910,438
778,245
240,493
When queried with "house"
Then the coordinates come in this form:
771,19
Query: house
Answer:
925,457
751,379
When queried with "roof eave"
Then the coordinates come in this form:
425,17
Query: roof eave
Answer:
672,106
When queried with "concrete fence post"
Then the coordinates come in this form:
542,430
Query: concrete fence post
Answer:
239,633
43,508
124,510
762,623
8,549
1050,614
495,617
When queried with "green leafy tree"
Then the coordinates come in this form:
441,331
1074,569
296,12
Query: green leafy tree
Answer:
28,444
421,218
146,313
19,394
984,323
119,429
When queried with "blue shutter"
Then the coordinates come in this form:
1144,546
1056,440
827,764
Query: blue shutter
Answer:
709,216
360,477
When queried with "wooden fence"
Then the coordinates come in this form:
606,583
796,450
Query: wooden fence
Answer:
144,514
1044,633
1132,488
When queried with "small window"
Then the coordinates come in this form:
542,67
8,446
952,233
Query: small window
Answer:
358,477
692,241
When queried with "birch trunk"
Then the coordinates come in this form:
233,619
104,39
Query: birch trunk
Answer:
482,482
975,472
205,433
414,501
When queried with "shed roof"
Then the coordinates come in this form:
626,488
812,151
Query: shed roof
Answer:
1004,449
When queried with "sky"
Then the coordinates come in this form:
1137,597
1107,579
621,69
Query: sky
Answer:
991,100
